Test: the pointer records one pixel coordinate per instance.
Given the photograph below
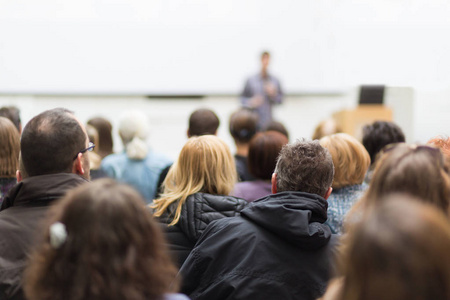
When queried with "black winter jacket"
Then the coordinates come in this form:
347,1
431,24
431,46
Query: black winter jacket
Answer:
198,211
21,214
278,248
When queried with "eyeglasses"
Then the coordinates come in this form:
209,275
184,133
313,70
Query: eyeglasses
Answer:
90,147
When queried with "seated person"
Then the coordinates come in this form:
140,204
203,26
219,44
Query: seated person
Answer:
195,193
100,242
279,246
262,158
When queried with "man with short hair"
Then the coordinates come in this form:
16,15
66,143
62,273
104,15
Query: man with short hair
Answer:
202,121
53,160
279,247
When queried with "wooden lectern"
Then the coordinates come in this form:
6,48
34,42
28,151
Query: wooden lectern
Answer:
351,121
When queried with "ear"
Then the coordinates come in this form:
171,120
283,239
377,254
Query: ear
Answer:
274,183
328,193
19,176
77,167
215,133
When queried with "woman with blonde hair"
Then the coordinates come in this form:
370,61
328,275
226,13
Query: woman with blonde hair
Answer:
196,193
100,242
9,156
351,162
399,252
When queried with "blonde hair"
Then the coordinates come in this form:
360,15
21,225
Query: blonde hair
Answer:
351,160
205,165
10,148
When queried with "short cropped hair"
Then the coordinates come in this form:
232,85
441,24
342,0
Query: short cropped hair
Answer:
9,149
263,152
350,159
380,134
243,125
203,122
12,113
50,141
265,53
304,166
277,126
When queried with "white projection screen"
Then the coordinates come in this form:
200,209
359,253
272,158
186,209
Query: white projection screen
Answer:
198,47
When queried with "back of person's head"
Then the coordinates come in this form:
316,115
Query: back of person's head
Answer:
278,127
411,169
50,142
379,134
350,159
243,125
134,129
205,164
12,113
324,128
100,243
9,149
203,122
263,152
104,144
400,251
304,166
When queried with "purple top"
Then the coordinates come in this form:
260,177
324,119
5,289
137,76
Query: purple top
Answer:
252,190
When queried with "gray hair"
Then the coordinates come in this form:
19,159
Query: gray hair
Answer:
304,166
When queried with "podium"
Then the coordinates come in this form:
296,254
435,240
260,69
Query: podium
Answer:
352,121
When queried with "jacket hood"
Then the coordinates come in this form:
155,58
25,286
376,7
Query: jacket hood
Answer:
295,216
41,189
200,209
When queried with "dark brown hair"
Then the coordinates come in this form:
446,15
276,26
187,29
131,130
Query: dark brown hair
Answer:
13,114
263,153
203,122
277,126
243,125
9,148
304,166
104,146
50,141
399,252
113,250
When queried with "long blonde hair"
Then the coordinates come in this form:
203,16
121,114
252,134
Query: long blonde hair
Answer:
205,165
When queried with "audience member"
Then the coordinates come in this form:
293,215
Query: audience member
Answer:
243,126
376,136
262,158
52,160
9,156
137,165
279,246
399,252
351,162
94,158
326,127
101,243
12,113
201,122
105,140
194,193
411,169
277,126
261,91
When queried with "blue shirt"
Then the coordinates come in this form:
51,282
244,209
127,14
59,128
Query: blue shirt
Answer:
340,202
141,174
